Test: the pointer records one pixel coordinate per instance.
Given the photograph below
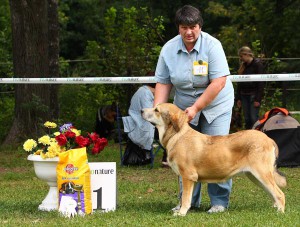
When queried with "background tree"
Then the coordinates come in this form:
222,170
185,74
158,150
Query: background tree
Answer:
92,31
129,46
6,90
272,23
35,51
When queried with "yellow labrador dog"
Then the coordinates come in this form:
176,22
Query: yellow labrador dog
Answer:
198,157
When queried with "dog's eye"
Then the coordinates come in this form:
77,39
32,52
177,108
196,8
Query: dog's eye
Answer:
156,110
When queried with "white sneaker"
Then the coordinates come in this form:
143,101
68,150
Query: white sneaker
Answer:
177,208
216,209
165,164
155,145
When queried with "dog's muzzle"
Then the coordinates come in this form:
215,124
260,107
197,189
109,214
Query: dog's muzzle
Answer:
142,113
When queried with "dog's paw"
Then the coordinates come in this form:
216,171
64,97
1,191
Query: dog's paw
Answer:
177,213
279,208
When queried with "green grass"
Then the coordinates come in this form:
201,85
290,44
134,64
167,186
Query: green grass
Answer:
145,198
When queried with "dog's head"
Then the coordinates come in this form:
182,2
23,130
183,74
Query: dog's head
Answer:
165,116
67,188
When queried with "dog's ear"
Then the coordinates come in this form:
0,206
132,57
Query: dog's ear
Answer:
175,121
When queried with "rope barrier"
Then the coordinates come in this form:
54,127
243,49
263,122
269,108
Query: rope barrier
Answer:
144,79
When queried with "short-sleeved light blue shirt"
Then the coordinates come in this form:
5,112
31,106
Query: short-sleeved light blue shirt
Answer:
175,66
140,131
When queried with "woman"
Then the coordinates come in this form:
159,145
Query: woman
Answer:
194,63
249,94
141,132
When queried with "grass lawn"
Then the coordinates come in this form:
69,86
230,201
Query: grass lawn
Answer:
145,198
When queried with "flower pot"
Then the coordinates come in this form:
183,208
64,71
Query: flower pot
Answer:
45,169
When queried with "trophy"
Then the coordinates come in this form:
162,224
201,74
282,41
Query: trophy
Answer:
78,189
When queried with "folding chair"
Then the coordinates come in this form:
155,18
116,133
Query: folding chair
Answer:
121,142
154,150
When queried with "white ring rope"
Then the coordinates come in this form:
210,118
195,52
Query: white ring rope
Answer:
144,79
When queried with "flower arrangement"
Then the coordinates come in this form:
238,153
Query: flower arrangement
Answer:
68,137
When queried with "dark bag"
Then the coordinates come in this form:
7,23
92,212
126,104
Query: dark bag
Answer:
134,155
280,126
288,141
284,121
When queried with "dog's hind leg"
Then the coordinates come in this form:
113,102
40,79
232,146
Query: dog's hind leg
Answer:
187,190
265,179
254,180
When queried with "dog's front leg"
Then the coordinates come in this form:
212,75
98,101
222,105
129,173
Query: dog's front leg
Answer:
187,190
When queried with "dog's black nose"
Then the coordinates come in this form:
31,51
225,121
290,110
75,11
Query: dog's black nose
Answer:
142,111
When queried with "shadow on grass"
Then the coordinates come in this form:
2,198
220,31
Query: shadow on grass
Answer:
20,208
157,207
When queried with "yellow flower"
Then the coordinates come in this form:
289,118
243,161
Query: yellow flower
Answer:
29,145
44,140
43,155
56,133
49,124
51,155
54,149
53,140
77,132
38,152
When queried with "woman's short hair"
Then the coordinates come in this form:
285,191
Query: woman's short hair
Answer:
188,15
150,73
246,50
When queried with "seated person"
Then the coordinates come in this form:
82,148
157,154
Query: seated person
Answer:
140,131
105,121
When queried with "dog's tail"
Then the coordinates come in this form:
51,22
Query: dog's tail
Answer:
276,149
280,178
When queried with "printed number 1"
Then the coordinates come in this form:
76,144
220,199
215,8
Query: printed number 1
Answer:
99,198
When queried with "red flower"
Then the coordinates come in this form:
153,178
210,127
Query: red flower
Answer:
94,136
103,141
70,134
61,140
99,145
96,150
82,141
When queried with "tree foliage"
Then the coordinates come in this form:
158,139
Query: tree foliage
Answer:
5,42
123,38
271,22
130,48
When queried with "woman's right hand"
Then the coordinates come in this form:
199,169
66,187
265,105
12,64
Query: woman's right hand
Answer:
191,112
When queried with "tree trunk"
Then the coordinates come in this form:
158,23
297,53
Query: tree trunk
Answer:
35,54
53,25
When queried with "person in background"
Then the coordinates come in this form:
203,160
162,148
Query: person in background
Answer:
105,121
140,131
249,94
194,63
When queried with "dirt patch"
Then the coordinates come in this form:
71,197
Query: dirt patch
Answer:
3,170
14,170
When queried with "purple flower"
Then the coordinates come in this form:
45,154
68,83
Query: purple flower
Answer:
65,127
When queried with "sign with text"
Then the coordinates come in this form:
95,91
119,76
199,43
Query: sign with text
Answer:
103,186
